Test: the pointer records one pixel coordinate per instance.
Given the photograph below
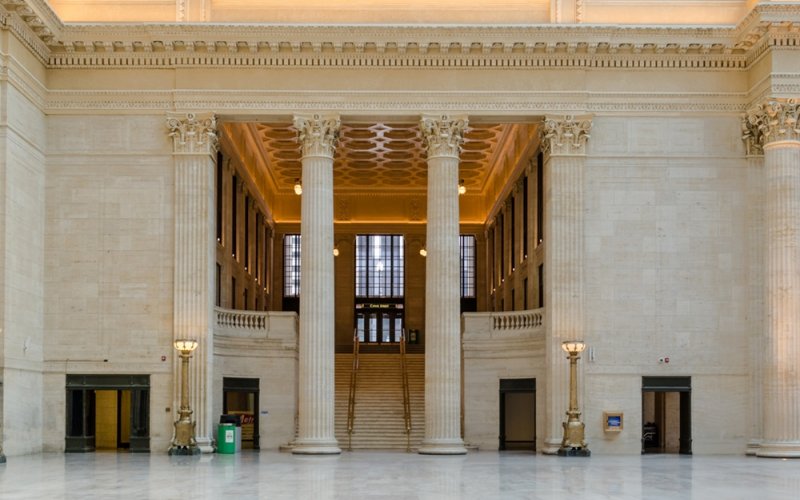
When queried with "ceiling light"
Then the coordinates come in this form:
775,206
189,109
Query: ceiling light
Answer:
423,252
461,187
298,188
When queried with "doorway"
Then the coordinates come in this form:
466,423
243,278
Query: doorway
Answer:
667,415
108,412
518,414
240,397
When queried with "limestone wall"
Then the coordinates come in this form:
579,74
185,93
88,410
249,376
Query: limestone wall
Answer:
109,259
667,271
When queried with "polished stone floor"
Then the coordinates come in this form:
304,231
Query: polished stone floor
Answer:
384,476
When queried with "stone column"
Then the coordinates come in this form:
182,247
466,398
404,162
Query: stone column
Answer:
194,139
443,136
773,126
563,141
318,136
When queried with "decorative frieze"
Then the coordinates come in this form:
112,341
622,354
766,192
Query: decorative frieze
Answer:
443,134
193,133
773,120
318,134
565,135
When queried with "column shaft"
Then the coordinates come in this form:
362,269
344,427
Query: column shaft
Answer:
564,140
442,293
195,142
316,342
781,364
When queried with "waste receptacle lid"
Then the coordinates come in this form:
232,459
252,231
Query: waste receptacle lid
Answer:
230,419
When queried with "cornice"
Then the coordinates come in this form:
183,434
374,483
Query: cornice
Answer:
116,45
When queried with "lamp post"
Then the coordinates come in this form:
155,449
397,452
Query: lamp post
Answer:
573,444
184,443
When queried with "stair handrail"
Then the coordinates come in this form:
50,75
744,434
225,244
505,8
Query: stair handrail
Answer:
406,392
351,397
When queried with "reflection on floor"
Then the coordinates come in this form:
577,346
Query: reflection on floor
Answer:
479,475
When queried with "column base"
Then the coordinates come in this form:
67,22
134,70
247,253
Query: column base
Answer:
443,447
752,447
205,444
790,449
316,447
574,452
551,446
183,450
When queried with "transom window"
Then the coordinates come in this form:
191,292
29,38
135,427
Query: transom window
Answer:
379,266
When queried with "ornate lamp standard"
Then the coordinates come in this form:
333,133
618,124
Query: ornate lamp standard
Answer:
573,444
184,443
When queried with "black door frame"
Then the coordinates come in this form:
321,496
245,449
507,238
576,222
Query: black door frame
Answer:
515,385
247,385
80,418
683,386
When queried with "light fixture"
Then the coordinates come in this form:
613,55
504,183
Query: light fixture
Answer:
335,252
462,189
423,252
573,444
184,442
298,187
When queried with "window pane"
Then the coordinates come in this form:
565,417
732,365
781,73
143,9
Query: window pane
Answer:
379,266
467,244
291,265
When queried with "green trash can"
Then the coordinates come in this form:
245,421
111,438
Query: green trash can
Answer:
226,439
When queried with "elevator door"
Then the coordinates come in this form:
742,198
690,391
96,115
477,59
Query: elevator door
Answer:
667,415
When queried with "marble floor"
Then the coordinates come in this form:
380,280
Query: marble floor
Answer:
384,476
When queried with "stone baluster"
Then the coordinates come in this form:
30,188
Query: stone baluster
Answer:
563,141
773,127
318,135
443,136
194,140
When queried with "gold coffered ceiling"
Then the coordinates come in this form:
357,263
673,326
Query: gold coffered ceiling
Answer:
378,156
380,168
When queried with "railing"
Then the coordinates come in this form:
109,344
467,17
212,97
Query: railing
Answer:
517,320
351,397
406,392
273,325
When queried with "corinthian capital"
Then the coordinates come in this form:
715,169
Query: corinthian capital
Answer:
566,134
193,132
771,121
317,134
443,134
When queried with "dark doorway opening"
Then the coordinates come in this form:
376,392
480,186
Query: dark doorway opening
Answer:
240,397
667,415
518,414
108,412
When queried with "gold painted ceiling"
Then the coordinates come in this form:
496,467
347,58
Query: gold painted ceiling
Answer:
378,156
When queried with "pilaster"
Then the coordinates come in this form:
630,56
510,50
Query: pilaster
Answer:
318,135
443,137
772,126
563,142
194,139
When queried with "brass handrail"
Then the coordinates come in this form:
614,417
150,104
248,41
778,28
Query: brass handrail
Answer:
406,392
351,398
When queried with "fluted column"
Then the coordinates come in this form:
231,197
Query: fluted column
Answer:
563,141
443,137
773,126
317,136
194,139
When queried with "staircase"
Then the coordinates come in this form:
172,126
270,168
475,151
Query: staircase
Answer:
379,423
